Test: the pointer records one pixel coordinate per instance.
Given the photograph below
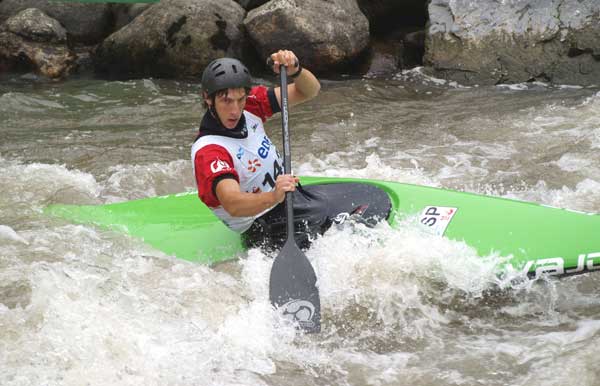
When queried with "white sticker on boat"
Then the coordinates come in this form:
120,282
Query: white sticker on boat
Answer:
437,218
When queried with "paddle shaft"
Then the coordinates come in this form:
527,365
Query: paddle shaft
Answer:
287,157
292,285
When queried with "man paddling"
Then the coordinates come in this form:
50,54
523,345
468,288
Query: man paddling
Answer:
238,171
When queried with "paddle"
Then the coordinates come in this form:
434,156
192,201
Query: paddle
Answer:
292,287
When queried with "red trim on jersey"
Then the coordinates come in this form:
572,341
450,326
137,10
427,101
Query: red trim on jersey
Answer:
258,103
211,162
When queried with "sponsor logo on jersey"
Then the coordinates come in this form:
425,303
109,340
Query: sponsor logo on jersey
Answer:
265,146
218,166
253,165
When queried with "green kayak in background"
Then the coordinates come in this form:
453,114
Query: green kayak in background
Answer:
537,238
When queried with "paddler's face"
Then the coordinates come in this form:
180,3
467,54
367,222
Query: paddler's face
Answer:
229,106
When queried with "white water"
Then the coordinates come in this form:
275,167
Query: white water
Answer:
80,305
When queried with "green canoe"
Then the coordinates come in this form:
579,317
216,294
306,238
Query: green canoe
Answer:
539,239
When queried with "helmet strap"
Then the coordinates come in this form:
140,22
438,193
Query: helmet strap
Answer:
213,110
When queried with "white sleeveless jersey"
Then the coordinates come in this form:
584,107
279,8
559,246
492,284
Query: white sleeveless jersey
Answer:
256,161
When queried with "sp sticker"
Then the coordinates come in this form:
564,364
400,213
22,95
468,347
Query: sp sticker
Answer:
437,218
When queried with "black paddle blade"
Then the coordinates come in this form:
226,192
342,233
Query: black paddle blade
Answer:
293,290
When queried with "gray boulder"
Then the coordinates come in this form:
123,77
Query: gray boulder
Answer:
384,58
34,25
85,23
124,14
323,34
491,42
32,41
174,38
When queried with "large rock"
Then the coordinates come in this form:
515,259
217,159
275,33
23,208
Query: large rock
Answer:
174,38
491,42
323,34
384,58
34,25
32,41
124,14
86,23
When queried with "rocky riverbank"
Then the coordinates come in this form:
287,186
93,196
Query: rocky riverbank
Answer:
483,42
491,42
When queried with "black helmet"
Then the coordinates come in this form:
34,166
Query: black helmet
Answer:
224,73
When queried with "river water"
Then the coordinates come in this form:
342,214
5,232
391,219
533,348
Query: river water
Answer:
85,306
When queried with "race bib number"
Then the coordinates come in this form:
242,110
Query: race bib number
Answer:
270,180
437,218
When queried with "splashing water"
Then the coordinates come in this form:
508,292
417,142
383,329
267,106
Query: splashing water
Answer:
81,305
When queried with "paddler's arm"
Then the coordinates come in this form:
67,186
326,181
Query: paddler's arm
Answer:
305,85
242,204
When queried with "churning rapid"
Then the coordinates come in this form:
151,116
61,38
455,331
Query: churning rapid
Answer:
84,306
